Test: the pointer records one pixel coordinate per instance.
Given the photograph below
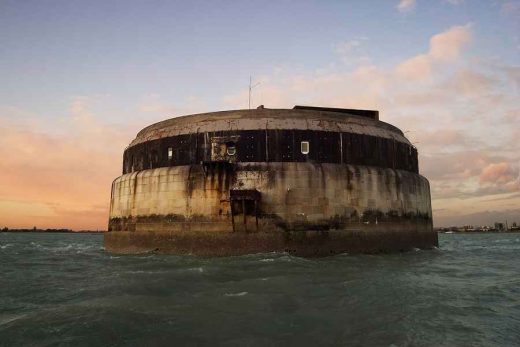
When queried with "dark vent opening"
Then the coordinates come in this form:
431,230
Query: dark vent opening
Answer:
363,113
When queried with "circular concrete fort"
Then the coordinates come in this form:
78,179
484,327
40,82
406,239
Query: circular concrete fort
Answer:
310,181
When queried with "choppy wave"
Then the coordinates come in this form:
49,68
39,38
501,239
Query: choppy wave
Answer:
267,260
68,247
64,289
236,294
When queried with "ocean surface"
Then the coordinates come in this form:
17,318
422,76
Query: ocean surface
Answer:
65,290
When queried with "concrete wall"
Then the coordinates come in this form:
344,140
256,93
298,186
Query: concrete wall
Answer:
293,196
273,119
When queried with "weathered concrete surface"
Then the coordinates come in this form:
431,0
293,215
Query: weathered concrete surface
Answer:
269,119
305,208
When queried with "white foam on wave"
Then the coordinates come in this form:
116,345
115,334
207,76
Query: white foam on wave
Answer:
267,260
148,272
196,269
6,245
8,318
236,294
78,247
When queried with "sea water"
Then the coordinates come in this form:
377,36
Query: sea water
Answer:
65,290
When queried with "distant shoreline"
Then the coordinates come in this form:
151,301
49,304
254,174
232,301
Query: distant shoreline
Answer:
477,232
55,231
102,231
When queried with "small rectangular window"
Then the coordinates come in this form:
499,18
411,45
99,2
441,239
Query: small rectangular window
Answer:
170,153
305,147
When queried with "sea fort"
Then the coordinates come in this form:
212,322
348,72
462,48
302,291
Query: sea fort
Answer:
310,181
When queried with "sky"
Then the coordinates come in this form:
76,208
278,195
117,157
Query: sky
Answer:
79,79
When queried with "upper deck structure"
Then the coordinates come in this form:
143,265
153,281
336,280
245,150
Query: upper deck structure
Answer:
274,135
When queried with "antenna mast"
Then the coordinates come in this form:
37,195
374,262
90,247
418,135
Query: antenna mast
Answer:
250,90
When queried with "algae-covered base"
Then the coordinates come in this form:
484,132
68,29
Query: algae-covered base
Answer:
300,243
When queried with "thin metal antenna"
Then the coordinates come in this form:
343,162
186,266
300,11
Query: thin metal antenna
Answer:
250,89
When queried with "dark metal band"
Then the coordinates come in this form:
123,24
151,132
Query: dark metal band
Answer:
271,146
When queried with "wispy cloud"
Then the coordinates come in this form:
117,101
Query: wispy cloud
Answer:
59,179
463,112
511,8
455,2
406,5
444,47
352,51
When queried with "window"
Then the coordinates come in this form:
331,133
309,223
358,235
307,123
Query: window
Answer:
170,153
231,149
305,147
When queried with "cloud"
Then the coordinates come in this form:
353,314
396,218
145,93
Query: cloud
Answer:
503,175
448,45
58,173
61,178
452,166
444,47
352,51
511,8
443,140
455,2
381,87
461,111
468,174
345,48
406,5
470,83
416,68
512,115
513,72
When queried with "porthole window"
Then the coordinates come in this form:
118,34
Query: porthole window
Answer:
231,150
305,147
170,153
